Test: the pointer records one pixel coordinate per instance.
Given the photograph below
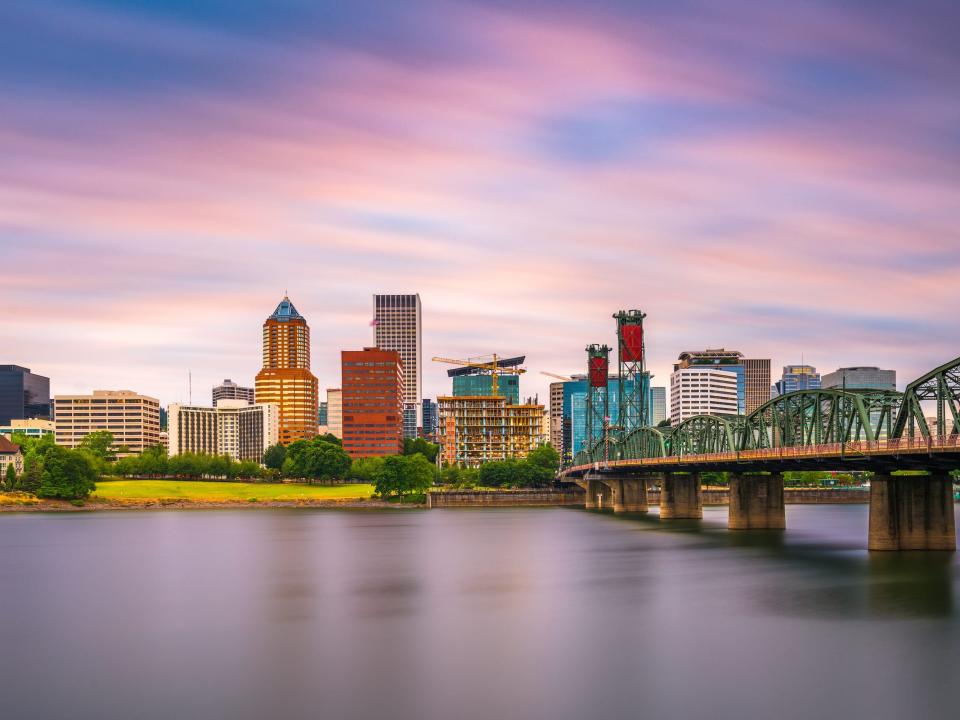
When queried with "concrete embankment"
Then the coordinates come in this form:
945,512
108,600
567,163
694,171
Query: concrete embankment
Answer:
575,497
505,498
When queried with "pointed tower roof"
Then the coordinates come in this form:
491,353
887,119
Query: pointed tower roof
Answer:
285,311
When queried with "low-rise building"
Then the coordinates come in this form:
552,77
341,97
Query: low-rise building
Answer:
233,428
32,428
9,455
134,420
229,390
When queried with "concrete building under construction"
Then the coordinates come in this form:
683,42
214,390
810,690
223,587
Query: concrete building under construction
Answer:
475,429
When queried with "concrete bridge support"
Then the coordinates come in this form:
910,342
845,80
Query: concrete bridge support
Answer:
629,494
680,497
912,512
756,502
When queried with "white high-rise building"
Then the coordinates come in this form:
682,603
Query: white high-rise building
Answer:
397,326
335,412
233,427
702,390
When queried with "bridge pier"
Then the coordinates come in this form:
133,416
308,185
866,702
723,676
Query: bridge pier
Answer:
912,512
756,502
680,497
629,494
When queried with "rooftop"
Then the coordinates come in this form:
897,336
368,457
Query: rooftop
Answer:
7,447
285,312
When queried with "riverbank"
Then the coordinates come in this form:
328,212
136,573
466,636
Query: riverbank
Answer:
98,504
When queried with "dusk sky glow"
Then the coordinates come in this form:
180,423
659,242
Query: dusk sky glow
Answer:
778,178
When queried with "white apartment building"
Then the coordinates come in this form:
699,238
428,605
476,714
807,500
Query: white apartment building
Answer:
233,428
702,390
335,412
397,326
133,419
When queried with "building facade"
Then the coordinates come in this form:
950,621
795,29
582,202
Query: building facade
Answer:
658,405
23,394
133,419
429,419
475,430
397,326
234,428
556,416
798,377
373,402
229,390
9,455
756,383
33,428
335,412
478,384
860,378
286,380
575,408
702,390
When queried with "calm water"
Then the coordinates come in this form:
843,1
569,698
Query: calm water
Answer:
469,614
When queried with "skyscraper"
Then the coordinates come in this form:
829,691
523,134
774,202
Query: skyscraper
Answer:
229,390
756,381
556,416
396,326
372,402
335,412
23,394
429,419
798,377
286,379
702,390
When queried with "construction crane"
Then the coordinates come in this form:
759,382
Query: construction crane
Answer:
565,378
494,366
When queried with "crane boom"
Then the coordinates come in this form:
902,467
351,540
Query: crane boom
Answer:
492,366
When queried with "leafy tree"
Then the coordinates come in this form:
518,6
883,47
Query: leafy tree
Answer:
11,479
544,462
664,423
99,444
460,478
402,475
364,469
316,459
331,438
274,456
413,446
67,474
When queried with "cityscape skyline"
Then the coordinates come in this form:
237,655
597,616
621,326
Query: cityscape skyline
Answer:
747,187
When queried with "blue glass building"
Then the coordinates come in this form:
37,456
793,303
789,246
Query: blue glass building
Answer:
575,409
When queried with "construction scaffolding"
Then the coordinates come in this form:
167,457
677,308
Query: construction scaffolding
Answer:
480,428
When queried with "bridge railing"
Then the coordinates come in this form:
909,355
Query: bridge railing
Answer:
852,449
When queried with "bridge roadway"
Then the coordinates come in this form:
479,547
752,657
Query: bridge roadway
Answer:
907,512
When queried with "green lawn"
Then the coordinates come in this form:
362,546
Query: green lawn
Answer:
197,491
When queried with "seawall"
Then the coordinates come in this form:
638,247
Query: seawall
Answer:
505,498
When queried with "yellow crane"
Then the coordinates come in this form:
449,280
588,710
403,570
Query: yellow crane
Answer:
492,366
565,378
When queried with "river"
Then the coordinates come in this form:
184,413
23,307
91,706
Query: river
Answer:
463,614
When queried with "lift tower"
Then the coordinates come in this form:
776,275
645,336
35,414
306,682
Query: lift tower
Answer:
632,384
598,400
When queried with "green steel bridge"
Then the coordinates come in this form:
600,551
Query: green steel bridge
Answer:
807,429
882,432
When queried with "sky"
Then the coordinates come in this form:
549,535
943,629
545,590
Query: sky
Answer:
778,178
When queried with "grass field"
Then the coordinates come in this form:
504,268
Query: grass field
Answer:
196,491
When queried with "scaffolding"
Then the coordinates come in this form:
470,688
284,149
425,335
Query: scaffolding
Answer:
475,429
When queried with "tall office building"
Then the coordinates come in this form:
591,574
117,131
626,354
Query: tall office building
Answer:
229,390
556,416
373,402
133,419
756,381
335,412
702,390
234,428
658,400
23,394
397,326
285,379
798,377
429,419
860,378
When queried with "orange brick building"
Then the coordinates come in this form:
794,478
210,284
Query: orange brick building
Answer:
286,378
372,383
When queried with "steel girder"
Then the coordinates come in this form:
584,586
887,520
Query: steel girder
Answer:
942,387
644,442
814,417
703,434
